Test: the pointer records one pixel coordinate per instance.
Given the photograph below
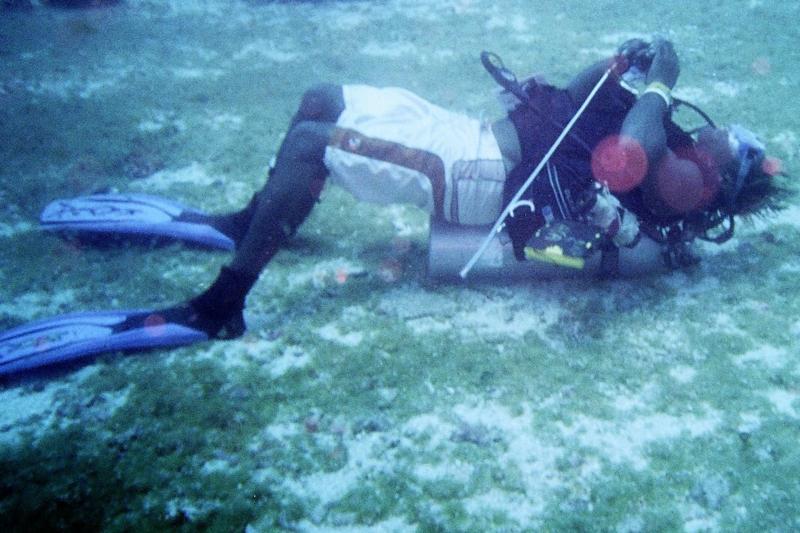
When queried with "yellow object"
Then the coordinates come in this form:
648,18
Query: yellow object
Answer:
554,254
661,90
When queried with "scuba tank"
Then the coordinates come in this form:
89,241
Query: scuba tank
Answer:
450,246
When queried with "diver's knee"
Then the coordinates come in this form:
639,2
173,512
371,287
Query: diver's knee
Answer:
323,102
307,140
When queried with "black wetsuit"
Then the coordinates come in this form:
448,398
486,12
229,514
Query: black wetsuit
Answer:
276,211
558,190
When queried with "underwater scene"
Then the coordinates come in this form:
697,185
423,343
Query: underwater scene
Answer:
365,394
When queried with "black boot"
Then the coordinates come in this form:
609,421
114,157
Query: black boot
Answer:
219,309
235,225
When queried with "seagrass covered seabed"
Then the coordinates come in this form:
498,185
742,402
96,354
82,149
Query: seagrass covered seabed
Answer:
363,398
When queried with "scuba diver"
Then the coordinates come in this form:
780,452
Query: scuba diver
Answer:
388,145
607,167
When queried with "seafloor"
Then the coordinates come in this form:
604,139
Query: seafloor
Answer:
363,398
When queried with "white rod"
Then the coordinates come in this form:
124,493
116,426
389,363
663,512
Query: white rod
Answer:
512,203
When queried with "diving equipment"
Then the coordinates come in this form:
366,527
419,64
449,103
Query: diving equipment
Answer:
514,202
133,215
450,246
749,152
76,337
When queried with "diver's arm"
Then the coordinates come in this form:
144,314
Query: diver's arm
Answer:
582,84
644,123
671,185
636,53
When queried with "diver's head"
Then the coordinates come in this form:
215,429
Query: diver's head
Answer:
745,173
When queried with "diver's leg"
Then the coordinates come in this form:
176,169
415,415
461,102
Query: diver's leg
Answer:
235,225
279,208
321,103
294,185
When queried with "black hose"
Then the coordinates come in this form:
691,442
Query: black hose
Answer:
508,81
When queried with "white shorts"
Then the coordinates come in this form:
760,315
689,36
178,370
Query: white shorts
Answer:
391,146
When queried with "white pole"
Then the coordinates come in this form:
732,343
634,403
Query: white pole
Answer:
512,204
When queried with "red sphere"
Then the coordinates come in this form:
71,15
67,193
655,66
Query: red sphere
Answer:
679,184
619,162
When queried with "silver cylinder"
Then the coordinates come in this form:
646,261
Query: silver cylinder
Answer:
451,246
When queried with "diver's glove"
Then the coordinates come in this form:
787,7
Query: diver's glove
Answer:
665,65
219,310
638,54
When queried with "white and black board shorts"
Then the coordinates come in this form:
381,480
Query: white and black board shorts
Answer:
391,146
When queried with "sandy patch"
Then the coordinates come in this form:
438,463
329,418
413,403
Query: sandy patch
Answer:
498,318
266,49
366,453
77,84
291,359
534,459
31,305
766,355
391,50
321,274
696,95
682,373
636,401
35,411
344,20
194,174
225,121
749,422
430,428
787,141
403,219
160,120
515,506
727,89
790,216
390,525
473,314
783,401
513,22
181,7
282,430
20,406
196,73
456,471
331,332
9,230
625,440
427,324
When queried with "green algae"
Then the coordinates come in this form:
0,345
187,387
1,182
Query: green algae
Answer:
384,374
152,450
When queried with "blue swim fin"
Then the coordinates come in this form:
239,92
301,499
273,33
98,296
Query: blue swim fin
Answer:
76,337
133,215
